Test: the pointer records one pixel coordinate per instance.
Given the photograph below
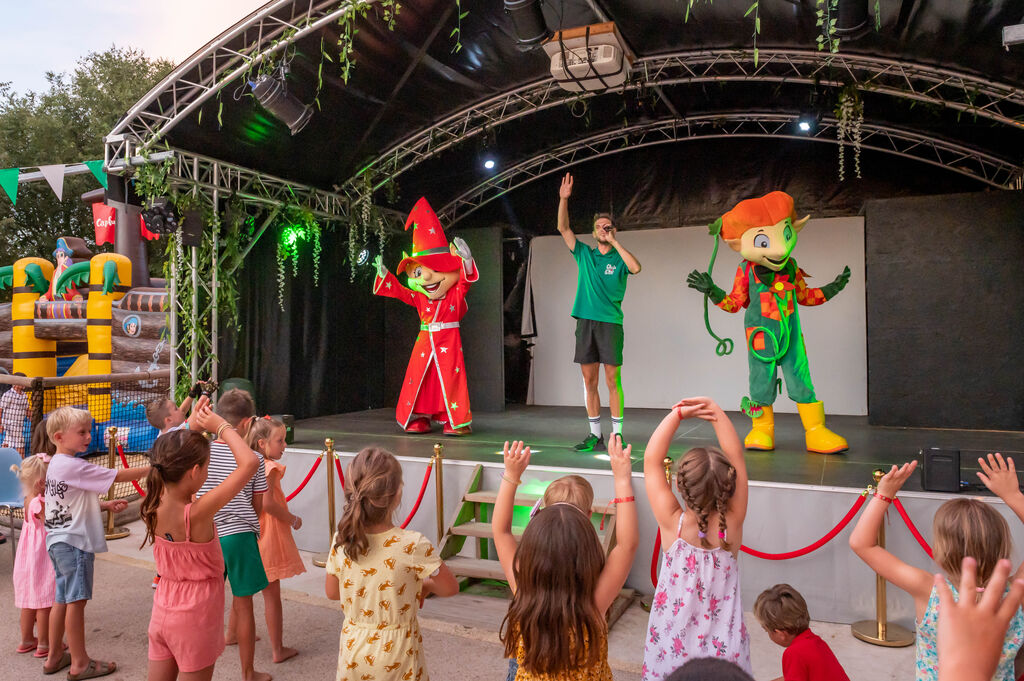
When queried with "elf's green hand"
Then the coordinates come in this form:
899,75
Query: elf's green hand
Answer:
702,281
837,285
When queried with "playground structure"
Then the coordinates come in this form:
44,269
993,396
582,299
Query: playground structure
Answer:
107,330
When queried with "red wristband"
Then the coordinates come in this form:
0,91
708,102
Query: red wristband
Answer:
884,498
623,500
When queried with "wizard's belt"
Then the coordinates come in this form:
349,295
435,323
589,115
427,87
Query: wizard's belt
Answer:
434,327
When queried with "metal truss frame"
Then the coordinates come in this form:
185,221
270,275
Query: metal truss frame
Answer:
260,35
900,142
962,92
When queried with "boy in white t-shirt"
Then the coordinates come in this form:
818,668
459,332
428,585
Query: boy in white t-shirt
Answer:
74,527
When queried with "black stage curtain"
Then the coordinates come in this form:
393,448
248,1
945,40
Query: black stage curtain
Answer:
945,312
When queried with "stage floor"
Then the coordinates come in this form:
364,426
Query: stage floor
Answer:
551,432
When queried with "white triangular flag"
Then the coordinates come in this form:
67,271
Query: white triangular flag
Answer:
54,176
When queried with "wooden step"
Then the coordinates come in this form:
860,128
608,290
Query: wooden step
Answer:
487,496
476,567
484,531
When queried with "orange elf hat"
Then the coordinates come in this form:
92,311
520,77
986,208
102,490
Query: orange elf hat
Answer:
429,243
760,212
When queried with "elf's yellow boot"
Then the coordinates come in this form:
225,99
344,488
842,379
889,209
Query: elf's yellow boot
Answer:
819,438
762,435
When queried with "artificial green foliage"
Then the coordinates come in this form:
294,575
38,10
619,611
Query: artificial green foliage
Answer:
299,227
850,115
75,275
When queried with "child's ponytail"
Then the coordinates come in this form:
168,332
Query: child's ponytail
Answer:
261,429
173,455
371,494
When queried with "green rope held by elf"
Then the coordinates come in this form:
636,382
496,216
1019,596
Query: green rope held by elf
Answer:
725,345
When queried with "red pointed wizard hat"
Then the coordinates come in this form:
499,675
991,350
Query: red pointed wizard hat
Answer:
429,243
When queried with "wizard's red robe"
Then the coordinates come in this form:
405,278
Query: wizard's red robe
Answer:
435,380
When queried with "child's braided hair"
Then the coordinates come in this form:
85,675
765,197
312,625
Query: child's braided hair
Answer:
706,480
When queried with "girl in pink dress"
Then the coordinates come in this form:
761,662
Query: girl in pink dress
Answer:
186,629
34,580
696,610
280,555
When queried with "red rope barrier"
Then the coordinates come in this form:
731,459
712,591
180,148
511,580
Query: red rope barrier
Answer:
423,489
124,462
913,528
816,545
654,559
309,475
341,476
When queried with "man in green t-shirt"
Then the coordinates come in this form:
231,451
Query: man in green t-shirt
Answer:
600,287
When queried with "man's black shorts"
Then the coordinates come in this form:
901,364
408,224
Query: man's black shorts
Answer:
598,342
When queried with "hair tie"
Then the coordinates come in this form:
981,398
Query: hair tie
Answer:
702,535
721,535
44,456
536,507
159,468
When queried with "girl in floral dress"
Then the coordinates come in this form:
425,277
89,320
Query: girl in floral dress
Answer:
381,573
34,580
961,528
697,611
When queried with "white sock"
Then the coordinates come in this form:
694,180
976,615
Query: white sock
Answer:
616,425
595,426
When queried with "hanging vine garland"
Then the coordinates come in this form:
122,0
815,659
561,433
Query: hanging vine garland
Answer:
850,115
301,227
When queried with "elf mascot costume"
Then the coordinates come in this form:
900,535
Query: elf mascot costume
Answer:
434,387
764,231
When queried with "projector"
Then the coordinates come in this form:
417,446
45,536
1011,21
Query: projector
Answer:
588,58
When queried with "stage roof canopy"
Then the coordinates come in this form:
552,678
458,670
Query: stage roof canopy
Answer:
935,81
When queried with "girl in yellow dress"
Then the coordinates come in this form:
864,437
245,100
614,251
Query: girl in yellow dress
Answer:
380,573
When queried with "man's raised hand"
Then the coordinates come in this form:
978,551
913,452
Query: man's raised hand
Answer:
565,191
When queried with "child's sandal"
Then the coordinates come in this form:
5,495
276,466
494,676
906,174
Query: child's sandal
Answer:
26,648
94,670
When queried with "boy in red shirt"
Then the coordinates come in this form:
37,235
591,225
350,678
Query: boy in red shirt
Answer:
782,612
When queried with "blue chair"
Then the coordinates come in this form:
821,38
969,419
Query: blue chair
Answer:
11,495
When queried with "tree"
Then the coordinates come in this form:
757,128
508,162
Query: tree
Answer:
65,124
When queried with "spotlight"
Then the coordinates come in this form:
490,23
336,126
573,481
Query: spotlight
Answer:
528,23
489,164
159,216
807,122
271,91
363,257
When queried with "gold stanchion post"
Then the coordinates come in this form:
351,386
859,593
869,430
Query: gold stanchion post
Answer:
439,487
878,631
112,531
667,462
320,559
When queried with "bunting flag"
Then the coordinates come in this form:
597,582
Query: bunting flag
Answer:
146,234
103,218
54,176
96,168
9,182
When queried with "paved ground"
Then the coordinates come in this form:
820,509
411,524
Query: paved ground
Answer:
459,633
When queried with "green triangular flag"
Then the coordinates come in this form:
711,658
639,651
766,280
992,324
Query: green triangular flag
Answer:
96,167
9,182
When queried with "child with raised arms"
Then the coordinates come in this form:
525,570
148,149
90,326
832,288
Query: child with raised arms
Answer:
278,551
561,581
186,628
961,528
696,610
381,573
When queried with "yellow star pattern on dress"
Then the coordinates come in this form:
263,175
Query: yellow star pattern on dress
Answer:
380,639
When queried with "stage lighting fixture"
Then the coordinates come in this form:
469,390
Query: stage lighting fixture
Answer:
363,257
528,23
271,91
852,17
159,217
804,125
489,164
807,123
1013,35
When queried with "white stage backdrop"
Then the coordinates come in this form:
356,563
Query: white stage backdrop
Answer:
668,353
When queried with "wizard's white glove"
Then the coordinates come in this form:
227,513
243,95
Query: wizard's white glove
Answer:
461,248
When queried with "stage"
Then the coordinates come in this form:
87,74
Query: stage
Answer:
552,431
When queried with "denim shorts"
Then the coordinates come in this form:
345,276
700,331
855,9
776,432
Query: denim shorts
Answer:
73,568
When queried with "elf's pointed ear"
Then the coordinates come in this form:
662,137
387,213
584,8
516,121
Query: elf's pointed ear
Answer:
734,244
799,224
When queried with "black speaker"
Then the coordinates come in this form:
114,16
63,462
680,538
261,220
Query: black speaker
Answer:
941,470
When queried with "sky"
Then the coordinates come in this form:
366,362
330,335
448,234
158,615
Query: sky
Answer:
37,36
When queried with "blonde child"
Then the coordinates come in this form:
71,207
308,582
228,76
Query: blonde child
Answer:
961,528
696,612
186,628
34,581
74,535
380,573
280,556
560,578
